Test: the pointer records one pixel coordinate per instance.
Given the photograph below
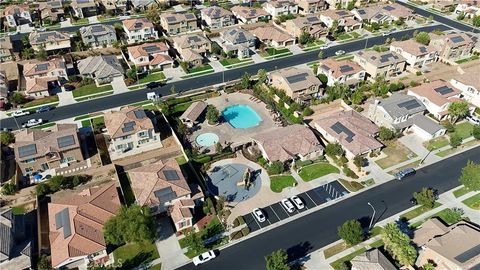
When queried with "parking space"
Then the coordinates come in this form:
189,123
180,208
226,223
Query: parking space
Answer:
312,198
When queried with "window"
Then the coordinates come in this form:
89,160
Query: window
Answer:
44,166
126,137
28,169
31,160
143,141
142,134
120,146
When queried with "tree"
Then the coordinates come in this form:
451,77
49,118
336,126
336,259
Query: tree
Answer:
79,45
307,111
41,54
338,90
9,188
423,38
132,73
194,243
173,90
358,161
358,97
428,266
333,149
323,78
321,55
262,76
131,224
42,189
455,140
461,16
28,53
43,263
476,132
216,49
246,80
57,183
153,14
333,30
277,260
386,134
351,231
458,109
7,137
276,167
218,147
305,38
470,176
351,5
426,197
213,115
26,41
17,98
398,244
476,21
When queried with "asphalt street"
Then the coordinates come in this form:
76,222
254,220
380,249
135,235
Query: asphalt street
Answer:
309,233
113,101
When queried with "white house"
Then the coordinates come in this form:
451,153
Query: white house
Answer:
416,54
280,7
469,84
138,30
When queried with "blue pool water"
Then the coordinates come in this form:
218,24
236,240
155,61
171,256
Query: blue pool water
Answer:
241,116
207,139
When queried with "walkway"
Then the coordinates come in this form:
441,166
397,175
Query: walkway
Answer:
217,66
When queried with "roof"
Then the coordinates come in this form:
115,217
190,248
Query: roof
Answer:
11,70
47,36
161,59
33,143
426,124
147,49
142,3
372,260
288,142
6,231
457,39
438,92
194,111
15,9
136,24
336,14
236,35
399,105
380,59
83,3
181,210
190,40
281,3
215,12
295,78
248,12
271,33
38,84
6,43
413,47
354,132
470,77
173,18
76,222
128,120
103,66
384,10
305,21
158,183
339,68
37,68
97,30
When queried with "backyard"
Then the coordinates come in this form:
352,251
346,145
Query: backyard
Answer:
279,182
396,153
90,90
135,254
314,171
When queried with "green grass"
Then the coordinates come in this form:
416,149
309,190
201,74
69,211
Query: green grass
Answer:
437,143
368,182
396,153
201,68
133,254
47,125
473,202
461,61
201,234
355,34
19,210
86,123
156,267
80,21
464,130
450,151
375,231
198,74
317,170
94,96
445,217
344,36
41,101
81,117
279,182
98,121
460,192
335,249
418,211
377,244
90,90
273,51
352,186
338,263
127,188
152,77
235,61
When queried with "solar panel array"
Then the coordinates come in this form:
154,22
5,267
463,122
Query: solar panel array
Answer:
443,90
389,8
386,57
151,49
361,12
345,68
340,128
62,220
138,25
171,175
342,13
297,78
97,28
468,254
189,16
129,126
194,38
165,194
140,114
409,105
457,39
42,67
66,141
423,49
324,67
171,19
312,19
27,150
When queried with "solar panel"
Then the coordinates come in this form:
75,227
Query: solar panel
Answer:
457,39
171,175
409,105
386,57
241,38
27,150
97,28
297,78
41,67
468,254
324,67
171,19
138,24
127,127
342,13
140,114
195,38
361,12
165,194
66,141
152,49
423,49
312,19
189,16
389,8
62,219
345,68
340,128
443,90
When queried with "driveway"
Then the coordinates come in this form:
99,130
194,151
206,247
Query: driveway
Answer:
171,254
119,85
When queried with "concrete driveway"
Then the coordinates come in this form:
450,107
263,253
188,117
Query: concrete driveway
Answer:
171,254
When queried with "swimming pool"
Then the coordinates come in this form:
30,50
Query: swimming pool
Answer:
241,116
207,139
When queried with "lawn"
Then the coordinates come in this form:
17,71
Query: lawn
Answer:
233,61
90,90
317,170
86,123
355,35
41,101
19,210
94,96
273,51
339,263
352,186
473,202
133,255
377,244
335,249
443,215
344,36
460,192
152,77
464,130
437,143
396,153
418,211
126,188
200,69
81,117
368,182
450,151
47,125
279,182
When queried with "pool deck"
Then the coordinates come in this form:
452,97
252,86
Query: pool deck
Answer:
236,136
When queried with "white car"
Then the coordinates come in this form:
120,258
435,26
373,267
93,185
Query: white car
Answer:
287,205
323,47
386,33
298,203
32,122
340,52
18,113
204,257
258,214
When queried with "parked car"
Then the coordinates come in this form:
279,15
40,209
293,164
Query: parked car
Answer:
32,122
152,85
405,173
297,202
18,113
474,120
258,214
204,257
152,96
339,52
287,205
387,33
68,87
323,47
45,108
413,201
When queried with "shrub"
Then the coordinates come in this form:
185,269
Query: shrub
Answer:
414,83
9,188
455,140
277,167
351,231
476,132
333,149
245,231
349,173
7,137
448,126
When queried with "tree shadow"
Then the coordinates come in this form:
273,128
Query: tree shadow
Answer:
139,259
299,252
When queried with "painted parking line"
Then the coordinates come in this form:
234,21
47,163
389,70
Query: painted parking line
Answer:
282,214
271,217
308,196
275,212
251,222
316,197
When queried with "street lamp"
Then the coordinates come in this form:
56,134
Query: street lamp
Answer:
373,216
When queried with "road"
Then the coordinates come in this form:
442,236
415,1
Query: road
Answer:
113,101
307,234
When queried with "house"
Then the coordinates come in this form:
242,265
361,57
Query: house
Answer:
16,15
297,83
383,13
345,19
76,227
310,24
404,113
469,84
436,96
11,71
103,68
416,54
4,91
280,7
341,71
98,35
37,150
113,6
288,144
469,8
371,260
387,64
129,131
84,8
17,233
143,4
449,248
176,23
337,4
217,17
163,188
248,15
6,49
354,132
51,41
452,47
192,115
311,6
40,77
237,41
51,11
192,48
150,56
138,30
273,36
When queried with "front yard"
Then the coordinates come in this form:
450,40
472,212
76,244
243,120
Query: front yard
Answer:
41,101
199,69
272,52
132,255
396,153
227,62
473,202
418,211
152,77
214,228
436,143
90,90
314,171
279,182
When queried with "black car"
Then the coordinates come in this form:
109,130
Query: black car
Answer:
152,85
69,87
413,201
